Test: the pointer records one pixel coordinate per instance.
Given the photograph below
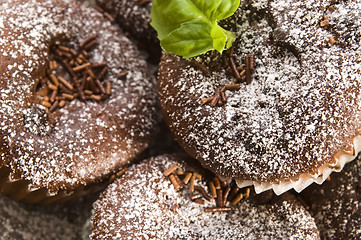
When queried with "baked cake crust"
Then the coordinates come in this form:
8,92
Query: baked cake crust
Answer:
300,112
85,141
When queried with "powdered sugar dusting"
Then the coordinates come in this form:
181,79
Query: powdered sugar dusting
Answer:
84,141
133,17
139,206
32,222
335,204
301,108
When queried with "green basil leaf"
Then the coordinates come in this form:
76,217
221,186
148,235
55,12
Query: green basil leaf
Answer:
217,10
219,38
190,39
189,27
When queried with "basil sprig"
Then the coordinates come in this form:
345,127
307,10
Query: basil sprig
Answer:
189,27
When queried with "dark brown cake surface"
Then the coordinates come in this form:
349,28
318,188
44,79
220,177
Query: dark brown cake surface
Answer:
134,17
85,140
335,204
300,109
19,221
143,204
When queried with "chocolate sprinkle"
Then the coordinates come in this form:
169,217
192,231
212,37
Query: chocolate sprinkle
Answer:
241,74
217,209
219,190
201,67
81,72
203,192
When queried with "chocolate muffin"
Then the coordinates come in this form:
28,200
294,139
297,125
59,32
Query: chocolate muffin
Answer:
77,101
154,199
281,108
31,222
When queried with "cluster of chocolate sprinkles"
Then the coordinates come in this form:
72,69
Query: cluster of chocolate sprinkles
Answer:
241,74
225,194
105,14
325,23
85,78
220,97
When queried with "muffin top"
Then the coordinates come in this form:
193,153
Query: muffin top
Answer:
144,204
301,108
85,140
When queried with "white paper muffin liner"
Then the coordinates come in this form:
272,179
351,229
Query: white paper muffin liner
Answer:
341,158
